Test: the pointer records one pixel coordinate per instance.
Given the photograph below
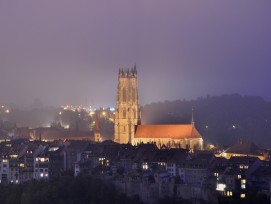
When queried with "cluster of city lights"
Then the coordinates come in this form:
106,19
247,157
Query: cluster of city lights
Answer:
91,111
5,109
78,108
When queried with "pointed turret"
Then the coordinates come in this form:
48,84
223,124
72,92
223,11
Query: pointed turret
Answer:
192,120
135,71
121,71
127,72
132,72
127,115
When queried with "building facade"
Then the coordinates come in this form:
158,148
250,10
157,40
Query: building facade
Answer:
97,133
183,136
128,128
127,114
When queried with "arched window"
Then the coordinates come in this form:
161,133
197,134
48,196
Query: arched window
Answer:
124,113
133,94
123,94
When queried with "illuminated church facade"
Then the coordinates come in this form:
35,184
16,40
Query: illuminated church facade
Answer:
128,127
127,115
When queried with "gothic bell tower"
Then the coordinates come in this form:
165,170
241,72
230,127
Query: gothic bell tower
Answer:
127,114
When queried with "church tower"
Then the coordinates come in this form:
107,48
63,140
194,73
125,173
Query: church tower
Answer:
97,134
127,114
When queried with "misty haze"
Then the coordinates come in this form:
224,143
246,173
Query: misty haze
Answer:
69,53
133,101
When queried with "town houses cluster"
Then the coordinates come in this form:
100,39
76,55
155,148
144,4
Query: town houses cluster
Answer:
146,160
144,169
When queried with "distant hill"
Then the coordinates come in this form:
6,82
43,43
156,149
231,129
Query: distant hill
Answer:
220,119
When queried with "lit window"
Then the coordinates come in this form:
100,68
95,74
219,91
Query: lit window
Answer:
243,184
243,195
220,187
229,193
145,166
44,159
41,175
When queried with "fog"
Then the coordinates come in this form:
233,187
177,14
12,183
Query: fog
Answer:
68,52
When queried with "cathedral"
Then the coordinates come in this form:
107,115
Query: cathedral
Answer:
127,115
128,127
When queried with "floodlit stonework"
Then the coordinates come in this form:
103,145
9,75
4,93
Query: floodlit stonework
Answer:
127,109
127,128
183,136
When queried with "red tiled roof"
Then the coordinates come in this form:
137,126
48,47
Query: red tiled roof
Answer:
167,131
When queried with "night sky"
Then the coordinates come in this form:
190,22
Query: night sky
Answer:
69,51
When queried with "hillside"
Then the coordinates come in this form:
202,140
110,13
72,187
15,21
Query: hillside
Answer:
220,119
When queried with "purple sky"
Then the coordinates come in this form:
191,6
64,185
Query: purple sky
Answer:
69,52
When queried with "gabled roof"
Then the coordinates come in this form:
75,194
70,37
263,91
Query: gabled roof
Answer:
199,162
145,152
76,145
171,155
219,164
243,160
167,131
244,147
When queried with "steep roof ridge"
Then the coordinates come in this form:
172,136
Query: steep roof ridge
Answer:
172,131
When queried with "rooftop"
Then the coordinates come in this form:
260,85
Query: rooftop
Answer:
167,131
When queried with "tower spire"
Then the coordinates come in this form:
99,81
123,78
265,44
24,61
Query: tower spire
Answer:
97,126
127,115
97,134
192,120
135,71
